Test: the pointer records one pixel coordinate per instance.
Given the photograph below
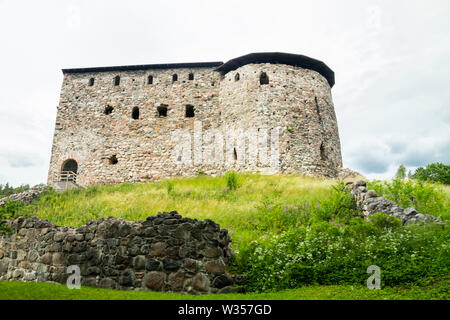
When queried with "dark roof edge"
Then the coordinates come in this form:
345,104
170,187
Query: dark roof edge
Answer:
146,67
280,58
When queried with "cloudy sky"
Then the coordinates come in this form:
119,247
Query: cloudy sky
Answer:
391,60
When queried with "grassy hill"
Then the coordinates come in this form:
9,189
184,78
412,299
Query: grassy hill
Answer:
289,232
202,197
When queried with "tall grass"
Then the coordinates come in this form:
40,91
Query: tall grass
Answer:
199,198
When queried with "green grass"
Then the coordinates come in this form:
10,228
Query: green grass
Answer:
254,212
45,291
199,198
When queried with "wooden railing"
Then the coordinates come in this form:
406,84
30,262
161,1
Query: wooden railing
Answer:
68,176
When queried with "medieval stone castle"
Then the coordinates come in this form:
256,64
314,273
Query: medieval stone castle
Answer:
131,123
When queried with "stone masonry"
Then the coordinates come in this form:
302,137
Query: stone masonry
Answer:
25,197
163,253
116,124
369,202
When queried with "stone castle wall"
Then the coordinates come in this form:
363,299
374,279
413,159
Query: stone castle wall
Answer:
297,101
163,253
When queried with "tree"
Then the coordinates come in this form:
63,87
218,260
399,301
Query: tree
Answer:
6,190
401,172
436,172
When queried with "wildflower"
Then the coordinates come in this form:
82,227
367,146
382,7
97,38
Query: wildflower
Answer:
325,243
338,224
387,219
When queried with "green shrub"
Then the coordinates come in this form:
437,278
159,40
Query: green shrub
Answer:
383,220
339,205
9,211
329,242
426,198
325,254
232,180
170,187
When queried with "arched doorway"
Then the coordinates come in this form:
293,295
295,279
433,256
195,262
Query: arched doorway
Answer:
69,171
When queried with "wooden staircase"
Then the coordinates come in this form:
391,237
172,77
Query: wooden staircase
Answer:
65,180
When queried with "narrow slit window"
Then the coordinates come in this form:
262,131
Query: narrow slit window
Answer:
323,155
263,78
237,77
162,111
117,80
150,80
135,113
235,154
191,76
190,111
318,110
91,82
174,78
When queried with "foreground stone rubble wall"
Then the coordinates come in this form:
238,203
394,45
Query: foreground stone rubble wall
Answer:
163,253
370,203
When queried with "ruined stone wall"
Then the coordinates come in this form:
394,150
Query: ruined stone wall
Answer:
370,203
115,147
163,253
25,197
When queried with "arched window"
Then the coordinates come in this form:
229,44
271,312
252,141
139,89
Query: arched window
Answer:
91,82
190,111
135,113
263,78
237,77
174,77
150,80
191,76
162,111
117,80
109,110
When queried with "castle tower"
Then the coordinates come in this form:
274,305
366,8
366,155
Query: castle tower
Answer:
130,123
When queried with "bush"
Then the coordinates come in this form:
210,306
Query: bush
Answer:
383,220
326,254
232,180
9,211
331,243
170,187
426,198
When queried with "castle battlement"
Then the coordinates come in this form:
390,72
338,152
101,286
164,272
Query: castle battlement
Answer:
127,123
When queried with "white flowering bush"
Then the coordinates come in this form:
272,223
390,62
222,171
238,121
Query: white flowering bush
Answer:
331,243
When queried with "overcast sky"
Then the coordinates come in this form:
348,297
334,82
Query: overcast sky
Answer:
391,60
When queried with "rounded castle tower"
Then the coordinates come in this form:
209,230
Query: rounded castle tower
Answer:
117,124
289,92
